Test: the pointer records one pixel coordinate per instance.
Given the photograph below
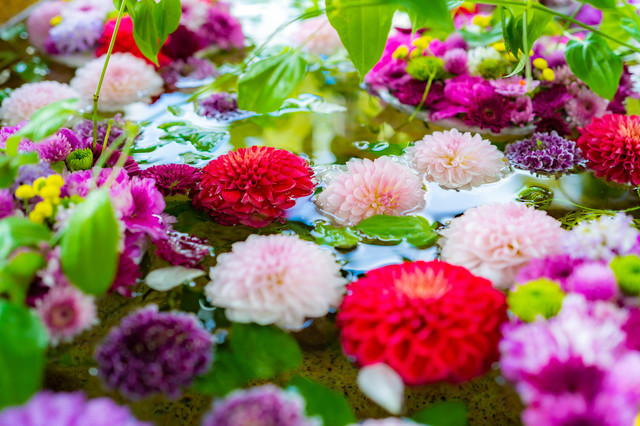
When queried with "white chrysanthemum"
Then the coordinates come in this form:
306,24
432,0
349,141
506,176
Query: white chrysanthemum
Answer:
128,79
30,97
457,160
479,54
601,239
276,279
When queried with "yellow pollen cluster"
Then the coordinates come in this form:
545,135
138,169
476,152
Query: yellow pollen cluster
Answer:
422,42
482,21
401,52
56,20
46,188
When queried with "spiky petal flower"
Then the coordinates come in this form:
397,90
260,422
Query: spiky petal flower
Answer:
505,238
253,186
173,179
30,97
429,321
457,160
369,188
585,106
276,279
545,153
59,146
601,239
154,352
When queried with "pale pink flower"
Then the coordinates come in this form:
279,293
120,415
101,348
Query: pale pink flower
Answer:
369,188
39,21
30,97
496,240
389,421
276,279
66,312
513,86
320,37
128,79
457,160
585,106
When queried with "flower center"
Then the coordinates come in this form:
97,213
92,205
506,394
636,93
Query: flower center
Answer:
61,316
423,284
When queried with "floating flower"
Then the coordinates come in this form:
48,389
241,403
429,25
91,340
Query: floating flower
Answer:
187,71
601,239
457,160
221,29
627,272
263,405
77,32
128,79
142,208
585,106
369,188
455,61
549,101
536,298
154,352
610,144
545,153
182,44
505,238
276,279
47,408
513,86
182,249
631,327
491,112
553,122
253,186
30,97
66,312
219,106
522,111
594,280
173,179
429,321
80,159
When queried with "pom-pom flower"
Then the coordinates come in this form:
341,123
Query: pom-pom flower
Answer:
66,312
173,179
47,408
545,153
253,186
594,280
78,32
627,272
429,321
154,352
369,188
610,145
540,297
221,29
263,405
505,238
276,279
457,160
220,106
128,79
30,97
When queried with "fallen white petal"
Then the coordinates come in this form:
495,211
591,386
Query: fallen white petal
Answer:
164,279
383,385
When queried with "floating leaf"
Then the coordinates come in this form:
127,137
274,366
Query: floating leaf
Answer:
328,235
383,386
416,230
326,403
449,413
18,231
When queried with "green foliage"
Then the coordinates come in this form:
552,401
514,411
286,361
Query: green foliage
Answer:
344,238
17,232
9,166
91,234
627,272
448,413
22,353
267,83
17,274
436,16
601,4
513,31
250,352
593,62
326,403
416,230
539,297
184,132
425,67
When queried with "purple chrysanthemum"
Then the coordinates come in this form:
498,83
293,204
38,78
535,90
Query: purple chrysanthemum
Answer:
489,112
84,129
545,153
548,101
154,352
173,179
264,405
585,106
7,203
47,408
182,249
59,146
222,30
220,106
594,280
188,70
557,268
522,111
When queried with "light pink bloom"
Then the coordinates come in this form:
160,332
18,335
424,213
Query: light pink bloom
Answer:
369,188
30,97
457,160
323,39
39,21
276,279
66,312
513,86
128,79
585,106
496,240
389,421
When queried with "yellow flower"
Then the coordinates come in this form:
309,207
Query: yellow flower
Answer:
500,47
482,20
422,42
540,63
55,180
50,192
24,192
39,183
401,52
36,217
43,208
548,74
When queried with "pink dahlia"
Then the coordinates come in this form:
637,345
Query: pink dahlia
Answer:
457,160
585,106
429,321
30,97
173,179
611,145
369,188
496,240
276,279
128,79
253,186
66,312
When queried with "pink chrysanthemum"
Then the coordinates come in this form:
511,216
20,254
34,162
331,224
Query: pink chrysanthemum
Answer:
496,240
457,160
128,79
276,279
39,21
30,97
173,179
369,188
66,312
585,106
513,86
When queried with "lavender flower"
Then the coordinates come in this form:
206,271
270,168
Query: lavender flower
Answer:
219,106
77,33
30,172
601,239
545,153
189,70
153,352
84,130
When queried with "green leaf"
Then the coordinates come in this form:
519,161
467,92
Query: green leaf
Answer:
17,231
416,230
513,29
44,122
448,413
435,17
22,353
627,25
601,4
166,15
91,233
18,273
593,62
363,30
267,83
145,32
619,28
328,235
324,402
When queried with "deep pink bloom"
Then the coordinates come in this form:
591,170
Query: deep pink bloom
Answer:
142,214
491,112
553,122
549,101
221,29
522,112
632,328
7,203
556,267
182,249
594,280
173,179
513,86
455,61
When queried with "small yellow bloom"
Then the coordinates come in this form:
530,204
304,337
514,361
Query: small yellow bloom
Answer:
36,217
39,183
415,53
548,74
44,208
55,20
422,42
540,63
50,192
55,180
401,52
500,47
481,20
24,192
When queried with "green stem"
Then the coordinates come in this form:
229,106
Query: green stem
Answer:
424,98
106,136
96,95
525,40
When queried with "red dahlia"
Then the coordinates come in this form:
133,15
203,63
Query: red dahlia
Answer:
429,321
611,145
253,186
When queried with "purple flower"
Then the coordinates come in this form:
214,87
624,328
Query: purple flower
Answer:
601,239
557,268
264,405
455,41
522,111
545,153
173,179
594,280
191,69
47,408
142,212
222,29
489,112
7,203
30,172
77,33
625,89
585,106
154,352
437,47
182,44
632,328
220,106
552,122
84,130
412,91
549,101
455,61
130,164
127,275
24,145
182,249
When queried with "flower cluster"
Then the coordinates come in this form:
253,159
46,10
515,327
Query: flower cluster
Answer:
27,99
545,154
